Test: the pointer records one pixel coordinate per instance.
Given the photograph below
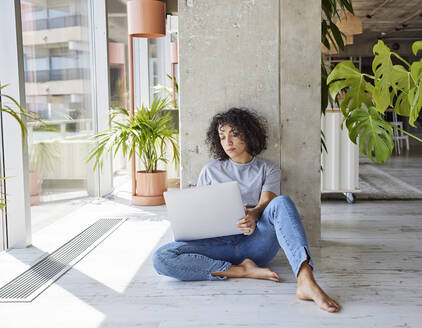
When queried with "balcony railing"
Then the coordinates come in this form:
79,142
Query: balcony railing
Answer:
57,75
56,22
63,128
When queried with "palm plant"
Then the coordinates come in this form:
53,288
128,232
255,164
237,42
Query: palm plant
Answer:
169,91
42,156
12,108
147,133
366,96
15,110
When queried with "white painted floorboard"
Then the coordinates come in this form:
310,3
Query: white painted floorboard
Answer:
370,261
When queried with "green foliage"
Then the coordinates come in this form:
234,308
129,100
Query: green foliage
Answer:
169,91
329,30
148,133
2,200
375,135
42,156
346,75
365,96
324,88
10,106
330,36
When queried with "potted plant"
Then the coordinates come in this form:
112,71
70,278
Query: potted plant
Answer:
10,106
147,133
366,96
42,155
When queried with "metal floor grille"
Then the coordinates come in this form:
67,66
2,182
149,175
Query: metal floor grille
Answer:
28,285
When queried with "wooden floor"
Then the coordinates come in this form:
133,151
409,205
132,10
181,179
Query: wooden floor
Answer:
370,261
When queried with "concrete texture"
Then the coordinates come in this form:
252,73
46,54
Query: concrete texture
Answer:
300,104
263,55
228,57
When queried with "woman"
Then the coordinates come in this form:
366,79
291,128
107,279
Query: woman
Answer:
235,138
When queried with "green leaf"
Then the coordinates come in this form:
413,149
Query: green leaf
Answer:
402,106
324,31
346,75
43,156
146,133
348,5
338,36
415,100
332,41
389,78
375,135
382,67
416,46
416,70
323,145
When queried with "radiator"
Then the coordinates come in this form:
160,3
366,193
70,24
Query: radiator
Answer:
340,167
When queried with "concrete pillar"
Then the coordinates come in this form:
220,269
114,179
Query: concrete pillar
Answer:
262,55
300,108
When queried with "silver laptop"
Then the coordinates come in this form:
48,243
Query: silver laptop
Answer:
205,212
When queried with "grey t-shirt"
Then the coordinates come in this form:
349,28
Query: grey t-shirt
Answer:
253,178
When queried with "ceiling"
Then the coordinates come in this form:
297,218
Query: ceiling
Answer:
394,21
391,20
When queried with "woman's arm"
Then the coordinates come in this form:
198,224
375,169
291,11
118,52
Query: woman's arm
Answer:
252,215
266,197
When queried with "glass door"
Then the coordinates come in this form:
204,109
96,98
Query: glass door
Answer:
57,61
119,93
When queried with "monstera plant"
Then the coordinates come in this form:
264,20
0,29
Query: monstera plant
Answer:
367,96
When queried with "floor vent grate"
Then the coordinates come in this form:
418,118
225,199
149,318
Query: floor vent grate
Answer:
32,282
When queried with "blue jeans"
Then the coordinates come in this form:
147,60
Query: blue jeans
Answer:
279,225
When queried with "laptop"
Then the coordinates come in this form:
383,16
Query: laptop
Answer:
205,212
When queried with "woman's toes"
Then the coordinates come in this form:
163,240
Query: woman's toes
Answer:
337,305
331,307
333,303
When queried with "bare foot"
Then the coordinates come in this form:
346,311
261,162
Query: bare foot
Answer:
248,269
308,289
254,271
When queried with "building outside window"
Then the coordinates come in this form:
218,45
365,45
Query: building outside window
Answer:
56,45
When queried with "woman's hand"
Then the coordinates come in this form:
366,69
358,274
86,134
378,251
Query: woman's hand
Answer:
248,223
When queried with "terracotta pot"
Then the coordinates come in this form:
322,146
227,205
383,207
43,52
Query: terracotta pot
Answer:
34,188
150,188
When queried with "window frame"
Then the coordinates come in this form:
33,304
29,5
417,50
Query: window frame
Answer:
15,228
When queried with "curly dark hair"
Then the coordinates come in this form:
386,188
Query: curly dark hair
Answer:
251,127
